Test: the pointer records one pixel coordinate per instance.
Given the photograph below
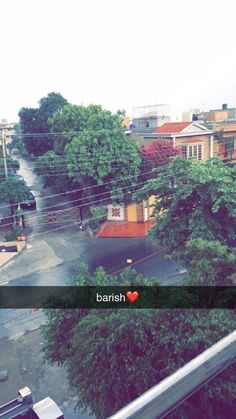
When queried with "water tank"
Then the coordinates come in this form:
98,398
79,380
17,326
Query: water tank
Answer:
224,106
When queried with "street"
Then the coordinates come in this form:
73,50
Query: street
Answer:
52,258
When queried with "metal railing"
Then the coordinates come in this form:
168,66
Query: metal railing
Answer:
163,398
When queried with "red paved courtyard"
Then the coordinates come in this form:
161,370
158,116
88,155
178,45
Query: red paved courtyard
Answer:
124,229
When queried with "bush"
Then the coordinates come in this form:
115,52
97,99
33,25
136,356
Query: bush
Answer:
10,235
98,215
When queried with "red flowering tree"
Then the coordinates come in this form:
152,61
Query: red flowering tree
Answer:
154,155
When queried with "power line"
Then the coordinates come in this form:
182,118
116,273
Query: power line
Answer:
70,225
163,167
44,214
101,193
67,160
89,197
43,134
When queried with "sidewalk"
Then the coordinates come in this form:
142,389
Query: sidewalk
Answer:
23,360
5,257
37,256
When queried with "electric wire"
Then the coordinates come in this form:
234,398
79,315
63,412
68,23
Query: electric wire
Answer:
155,170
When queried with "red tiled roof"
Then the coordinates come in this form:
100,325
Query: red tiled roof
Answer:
172,127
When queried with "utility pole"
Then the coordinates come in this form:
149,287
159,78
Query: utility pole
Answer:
4,154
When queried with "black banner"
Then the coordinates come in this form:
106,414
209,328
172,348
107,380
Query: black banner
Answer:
96,297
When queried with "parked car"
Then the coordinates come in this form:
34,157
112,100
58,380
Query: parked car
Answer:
29,202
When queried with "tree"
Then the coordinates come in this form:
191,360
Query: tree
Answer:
155,155
13,192
209,262
12,164
70,120
53,169
94,151
35,121
201,204
113,356
102,153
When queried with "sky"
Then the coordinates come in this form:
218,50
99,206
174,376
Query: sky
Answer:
117,53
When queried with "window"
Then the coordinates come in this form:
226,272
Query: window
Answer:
192,151
184,152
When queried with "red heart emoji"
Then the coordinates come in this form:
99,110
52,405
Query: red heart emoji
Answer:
132,296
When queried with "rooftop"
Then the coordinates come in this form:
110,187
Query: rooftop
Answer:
172,127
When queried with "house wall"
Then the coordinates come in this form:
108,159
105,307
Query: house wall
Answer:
228,131
198,139
232,113
215,115
115,212
132,212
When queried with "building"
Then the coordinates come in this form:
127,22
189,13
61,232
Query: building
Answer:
150,117
220,115
133,212
194,139
225,139
191,115
7,132
223,123
131,220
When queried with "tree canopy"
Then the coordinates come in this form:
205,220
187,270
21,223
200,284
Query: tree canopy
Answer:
95,151
54,171
209,263
113,356
200,204
36,121
70,120
13,191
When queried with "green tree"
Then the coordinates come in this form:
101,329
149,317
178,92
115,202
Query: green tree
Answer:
13,192
209,262
201,204
35,121
113,356
12,164
70,120
102,153
53,169
92,150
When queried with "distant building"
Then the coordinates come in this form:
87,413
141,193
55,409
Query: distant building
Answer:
8,129
150,117
191,115
219,115
223,123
